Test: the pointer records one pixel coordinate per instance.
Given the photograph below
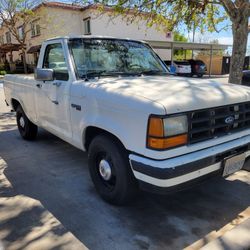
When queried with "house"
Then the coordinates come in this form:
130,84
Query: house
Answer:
54,19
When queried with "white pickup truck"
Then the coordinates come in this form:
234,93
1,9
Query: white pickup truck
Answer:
141,126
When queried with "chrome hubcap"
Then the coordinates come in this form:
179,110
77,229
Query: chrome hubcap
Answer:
105,170
22,122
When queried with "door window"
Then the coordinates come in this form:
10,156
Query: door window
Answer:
54,59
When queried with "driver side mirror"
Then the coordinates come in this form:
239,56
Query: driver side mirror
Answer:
44,74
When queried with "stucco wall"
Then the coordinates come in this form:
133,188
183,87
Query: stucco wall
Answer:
118,26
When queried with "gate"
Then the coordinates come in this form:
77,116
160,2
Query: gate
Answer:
226,64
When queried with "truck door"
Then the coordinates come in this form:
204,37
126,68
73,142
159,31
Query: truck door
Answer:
53,96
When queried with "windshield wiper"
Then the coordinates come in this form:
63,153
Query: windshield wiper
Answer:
100,73
152,72
92,73
123,73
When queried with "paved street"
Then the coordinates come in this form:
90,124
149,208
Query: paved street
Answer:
47,201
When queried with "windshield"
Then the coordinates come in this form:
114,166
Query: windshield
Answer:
100,57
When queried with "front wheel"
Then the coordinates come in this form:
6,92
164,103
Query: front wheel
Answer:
26,128
110,171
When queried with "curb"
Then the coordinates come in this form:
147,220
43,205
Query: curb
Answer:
235,239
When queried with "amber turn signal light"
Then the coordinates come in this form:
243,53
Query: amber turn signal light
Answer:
165,143
156,127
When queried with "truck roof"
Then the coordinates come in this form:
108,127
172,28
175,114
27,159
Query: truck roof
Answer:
94,37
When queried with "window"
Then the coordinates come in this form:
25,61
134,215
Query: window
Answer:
1,40
54,59
87,30
8,37
114,57
35,29
21,32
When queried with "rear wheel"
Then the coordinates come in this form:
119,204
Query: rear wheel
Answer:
26,128
200,75
110,171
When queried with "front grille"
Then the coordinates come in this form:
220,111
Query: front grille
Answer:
219,121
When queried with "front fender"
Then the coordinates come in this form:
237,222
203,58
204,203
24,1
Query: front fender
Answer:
130,127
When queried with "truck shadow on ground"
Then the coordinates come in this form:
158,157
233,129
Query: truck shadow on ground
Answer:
56,174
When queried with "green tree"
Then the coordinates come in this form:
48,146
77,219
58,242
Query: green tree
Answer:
181,54
179,37
205,14
15,16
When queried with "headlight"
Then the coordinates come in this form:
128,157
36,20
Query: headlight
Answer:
175,125
165,133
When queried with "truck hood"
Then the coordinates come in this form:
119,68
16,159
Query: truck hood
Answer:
178,94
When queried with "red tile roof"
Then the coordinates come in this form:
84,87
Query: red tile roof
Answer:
82,8
61,6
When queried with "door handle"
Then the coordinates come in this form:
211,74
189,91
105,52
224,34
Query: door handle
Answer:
77,107
55,102
39,85
57,84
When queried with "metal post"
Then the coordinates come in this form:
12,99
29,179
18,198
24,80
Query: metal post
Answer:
172,54
193,38
211,59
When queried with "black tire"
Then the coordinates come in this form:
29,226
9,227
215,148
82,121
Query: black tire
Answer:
26,128
200,75
121,186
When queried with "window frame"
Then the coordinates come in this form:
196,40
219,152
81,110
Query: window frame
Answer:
38,29
57,75
35,28
8,37
1,39
87,26
22,31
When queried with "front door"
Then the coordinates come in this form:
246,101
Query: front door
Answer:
53,100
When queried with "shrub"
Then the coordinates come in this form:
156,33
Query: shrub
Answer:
2,66
3,72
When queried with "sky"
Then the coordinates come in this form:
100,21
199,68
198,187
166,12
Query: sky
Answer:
223,37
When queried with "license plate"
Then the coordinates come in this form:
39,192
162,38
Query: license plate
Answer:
233,164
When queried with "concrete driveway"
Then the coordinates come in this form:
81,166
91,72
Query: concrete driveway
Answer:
47,201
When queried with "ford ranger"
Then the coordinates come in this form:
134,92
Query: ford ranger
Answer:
141,127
